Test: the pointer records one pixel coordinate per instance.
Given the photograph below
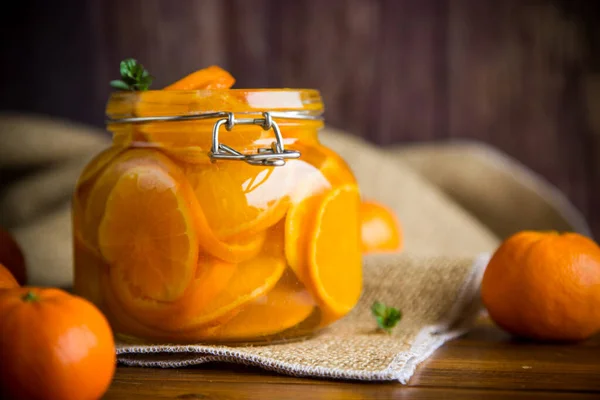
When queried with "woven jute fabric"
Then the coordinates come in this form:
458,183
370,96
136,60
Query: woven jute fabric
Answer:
439,300
455,201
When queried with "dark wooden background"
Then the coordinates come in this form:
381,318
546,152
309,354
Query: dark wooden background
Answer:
521,75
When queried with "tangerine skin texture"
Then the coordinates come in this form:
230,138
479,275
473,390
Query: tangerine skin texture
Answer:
55,346
545,286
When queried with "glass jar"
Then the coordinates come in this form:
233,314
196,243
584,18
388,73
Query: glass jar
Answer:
217,216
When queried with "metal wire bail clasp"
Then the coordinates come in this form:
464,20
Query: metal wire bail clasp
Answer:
272,157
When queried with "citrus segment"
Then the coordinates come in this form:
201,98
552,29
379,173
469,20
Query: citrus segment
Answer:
98,163
212,277
252,279
329,164
242,247
299,221
184,135
242,198
212,77
149,230
380,229
334,258
282,308
93,208
238,250
89,267
122,322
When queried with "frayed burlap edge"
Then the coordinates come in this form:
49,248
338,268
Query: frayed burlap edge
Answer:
463,313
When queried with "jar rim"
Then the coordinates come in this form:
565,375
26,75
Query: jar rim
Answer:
172,103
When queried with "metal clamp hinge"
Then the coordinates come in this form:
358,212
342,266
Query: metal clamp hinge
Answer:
274,156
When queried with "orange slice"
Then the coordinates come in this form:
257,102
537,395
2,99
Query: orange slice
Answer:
252,279
211,279
334,257
94,207
298,222
331,165
240,249
212,77
81,196
242,198
322,246
380,229
149,231
88,268
284,307
98,163
190,137
126,326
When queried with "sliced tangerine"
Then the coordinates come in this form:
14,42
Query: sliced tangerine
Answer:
380,229
89,266
149,231
239,249
242,198
334,257
184,137
212,77
299,220
94,206
284,307
124,324
322,245
212,277
98,163
252,279
330,164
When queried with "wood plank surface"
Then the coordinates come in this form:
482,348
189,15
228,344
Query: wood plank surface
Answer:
485,363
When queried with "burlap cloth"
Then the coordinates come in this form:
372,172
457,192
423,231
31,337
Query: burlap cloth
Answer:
456,201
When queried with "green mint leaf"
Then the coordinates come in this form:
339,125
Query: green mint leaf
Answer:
117,84
386,317
133,76
378,309
128,67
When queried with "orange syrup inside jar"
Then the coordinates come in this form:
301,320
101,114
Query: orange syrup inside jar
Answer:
176,244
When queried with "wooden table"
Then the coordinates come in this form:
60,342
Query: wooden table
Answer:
485,363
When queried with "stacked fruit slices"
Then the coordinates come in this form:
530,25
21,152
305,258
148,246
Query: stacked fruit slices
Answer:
179,251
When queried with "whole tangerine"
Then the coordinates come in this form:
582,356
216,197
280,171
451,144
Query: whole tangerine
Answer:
545,285
54,345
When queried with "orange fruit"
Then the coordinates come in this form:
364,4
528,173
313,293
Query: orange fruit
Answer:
7,280
212,77
51,343
211,279
12,257
128,328
98,163
239,198
330,164
238,250
89,266
149,231
380,229
252,279
190,140
544,285
218,292
298,222
335,262
328,261
93,203
282,308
